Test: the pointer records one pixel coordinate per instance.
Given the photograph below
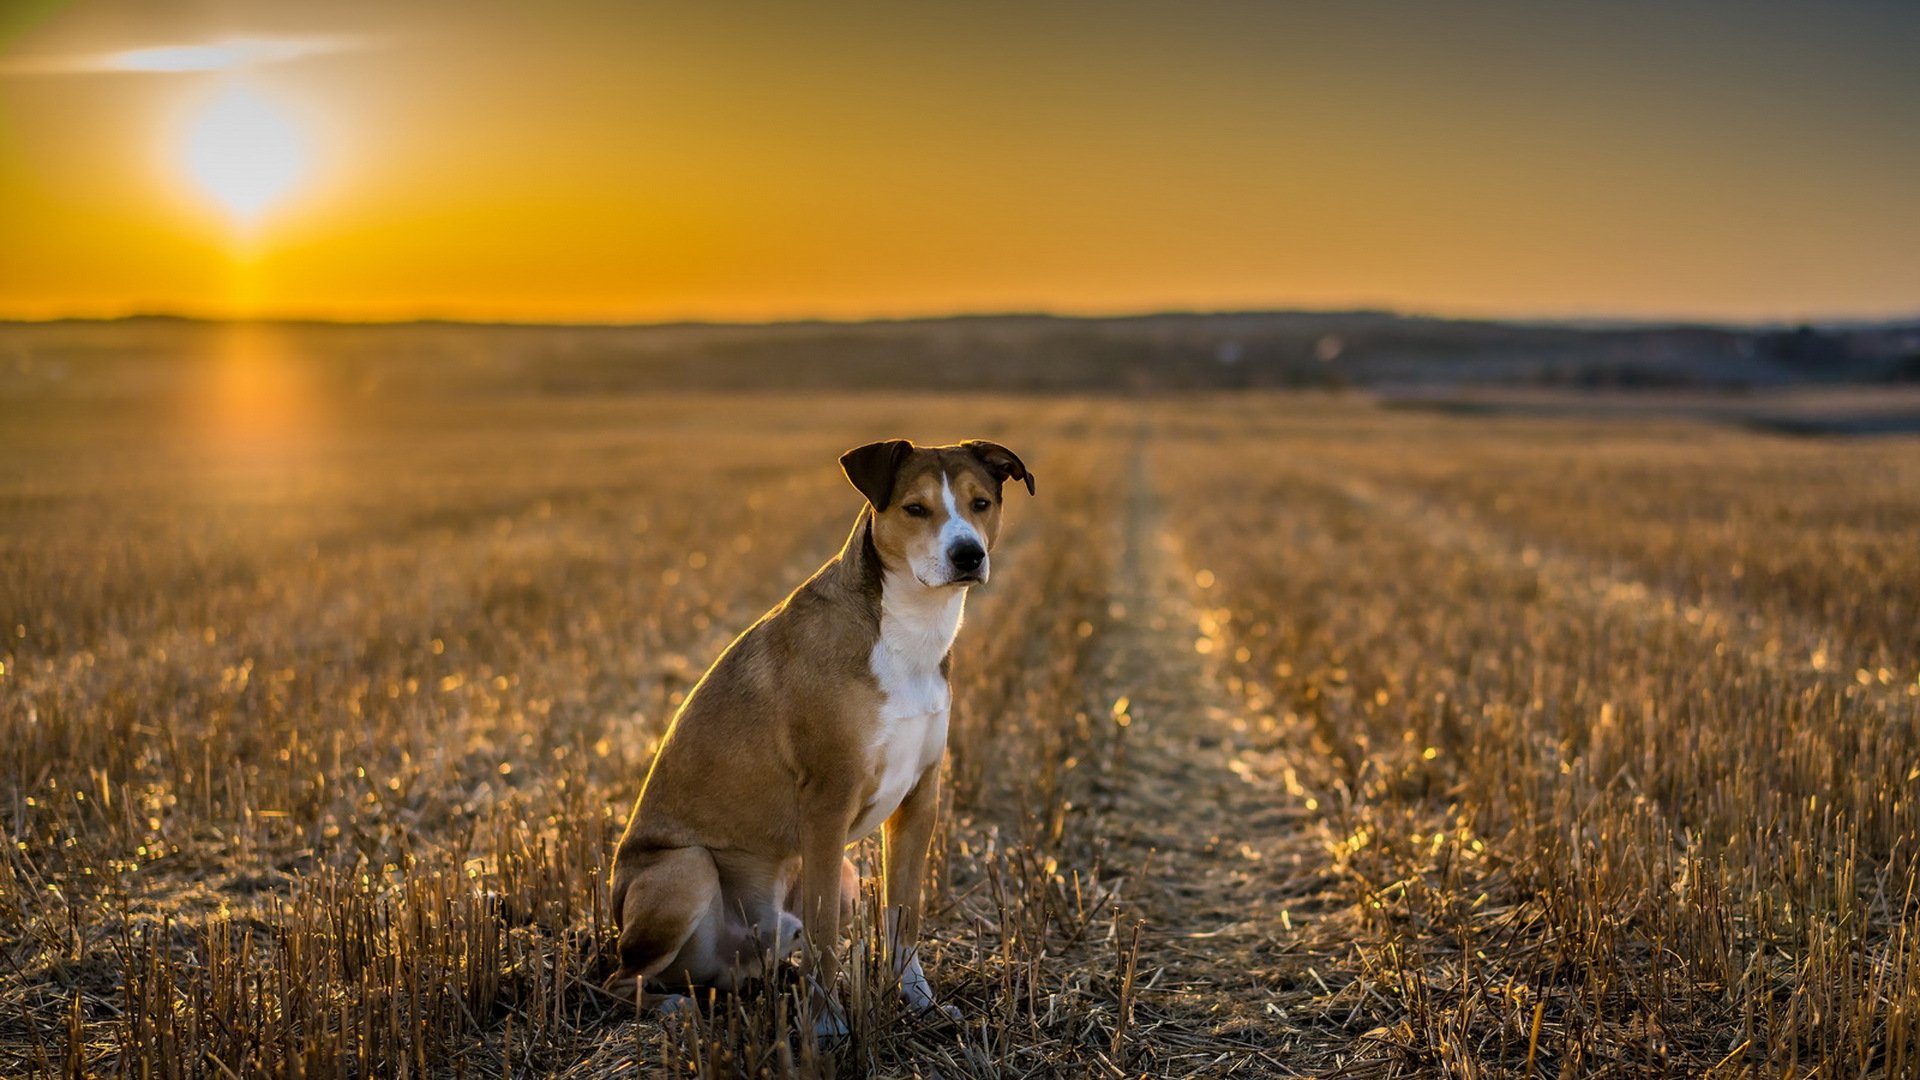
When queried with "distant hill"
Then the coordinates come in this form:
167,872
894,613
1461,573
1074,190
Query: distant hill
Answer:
140,356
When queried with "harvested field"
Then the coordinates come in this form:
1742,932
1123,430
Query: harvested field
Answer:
1294,736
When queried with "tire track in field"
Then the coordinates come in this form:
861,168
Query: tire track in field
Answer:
1232,872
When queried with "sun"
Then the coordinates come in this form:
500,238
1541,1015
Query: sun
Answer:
244,151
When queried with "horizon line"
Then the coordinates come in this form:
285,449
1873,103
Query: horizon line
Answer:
1581,321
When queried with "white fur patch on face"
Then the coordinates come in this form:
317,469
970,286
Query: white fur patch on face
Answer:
934,566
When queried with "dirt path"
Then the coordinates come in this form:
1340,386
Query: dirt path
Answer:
1234,864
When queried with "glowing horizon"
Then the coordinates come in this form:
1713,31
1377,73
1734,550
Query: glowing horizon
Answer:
603,163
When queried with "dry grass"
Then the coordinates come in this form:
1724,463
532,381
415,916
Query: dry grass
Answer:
1589,823
1293,736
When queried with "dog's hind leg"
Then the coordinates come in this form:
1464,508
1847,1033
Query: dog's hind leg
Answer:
665,900
849,891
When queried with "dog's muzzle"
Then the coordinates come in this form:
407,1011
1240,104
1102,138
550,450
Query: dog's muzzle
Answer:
966,558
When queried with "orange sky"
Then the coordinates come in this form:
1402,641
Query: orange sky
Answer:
633,161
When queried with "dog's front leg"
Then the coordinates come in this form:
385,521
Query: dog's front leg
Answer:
826,818
907,834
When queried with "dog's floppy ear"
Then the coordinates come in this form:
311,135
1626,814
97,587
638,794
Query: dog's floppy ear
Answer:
872,468
1003,463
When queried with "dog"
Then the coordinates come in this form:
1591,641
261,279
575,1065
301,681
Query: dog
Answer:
824,721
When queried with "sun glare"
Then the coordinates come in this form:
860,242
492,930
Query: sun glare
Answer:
244,152
180,58
221,55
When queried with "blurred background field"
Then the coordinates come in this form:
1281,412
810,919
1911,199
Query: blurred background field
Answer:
1302,732
1413,356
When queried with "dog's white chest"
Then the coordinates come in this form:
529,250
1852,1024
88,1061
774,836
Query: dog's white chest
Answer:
910,730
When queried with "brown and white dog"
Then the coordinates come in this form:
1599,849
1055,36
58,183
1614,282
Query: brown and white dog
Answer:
824,721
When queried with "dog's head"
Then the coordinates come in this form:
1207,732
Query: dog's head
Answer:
936,509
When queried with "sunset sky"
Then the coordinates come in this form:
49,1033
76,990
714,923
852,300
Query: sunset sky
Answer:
629,161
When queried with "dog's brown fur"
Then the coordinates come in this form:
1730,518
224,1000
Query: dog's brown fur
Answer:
748,806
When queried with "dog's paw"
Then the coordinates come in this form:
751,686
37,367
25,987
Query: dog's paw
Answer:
665,1005
786,938
829,1026
917,993
939,1010
919,1002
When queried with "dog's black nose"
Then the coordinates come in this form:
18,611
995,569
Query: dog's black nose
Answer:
966,556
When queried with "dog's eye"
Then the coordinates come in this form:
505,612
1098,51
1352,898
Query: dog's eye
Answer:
980,506
915,510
